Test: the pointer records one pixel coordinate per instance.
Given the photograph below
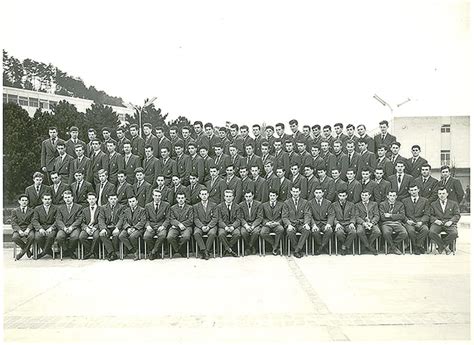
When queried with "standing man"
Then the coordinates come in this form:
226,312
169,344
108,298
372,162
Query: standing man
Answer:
235,159
63,163
368,216
384,163
73,141
150,165
296,220
270,138
110,225
90,226
395,157
138,143
392,217
104,189
124,189
366,160
115,162
205,223
199,133
251,220
246,139
57,189
167,166
163,141
68,223
229,222
22,225
328,158
281,157
150,139
44,223
382,186
181,220
427,184
297,180
259,139
142,189
361,131
453,185
197,163
107,139
121,139
183,163
81,162
48,151
221,160
134,219
234,183
194,189
98,161
92,135
383,138
344,221
321,214
36,191
80,189
417,211
215,186
157,223
354,187
400,182
416,162
296,135
131,162
327,184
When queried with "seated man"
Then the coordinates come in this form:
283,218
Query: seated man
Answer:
22,226
110,224
417,211
321,214
205,222
251,220
296,220
344,221
392,216
444,217
44,222
68,223
228,216
368,217
134,219
271,220
181,219
157,223
90,226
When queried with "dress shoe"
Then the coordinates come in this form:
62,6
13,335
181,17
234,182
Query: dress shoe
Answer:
298,254
29,253
253,251
151,256
275,252
416,251
372,250
87,256
319,250
136,257
206,255
231,252
422,250
448,251
343,251
247,252
396,251
176,255
441,250
73,255
112,257
20,255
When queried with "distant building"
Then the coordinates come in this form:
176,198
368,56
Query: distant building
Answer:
32,100
444,140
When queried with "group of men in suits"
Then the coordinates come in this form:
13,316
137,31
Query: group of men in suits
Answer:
234,187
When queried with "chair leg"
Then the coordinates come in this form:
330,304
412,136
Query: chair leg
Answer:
214,247
139,249
187,250
238,248
358,242
196,249
353,247
335,243
386,251
288,245
80,250
403,247
61,252
162,250
171,251
14,251
121,250
330,246
144,246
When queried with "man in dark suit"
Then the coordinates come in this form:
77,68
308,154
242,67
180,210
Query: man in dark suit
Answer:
293,157
338,135
350,130
63,162
344,221
246,182
121,139
352,156
298,180
384,138
400,181
327,156
236,139
150,165
338,182
265,154
80,189
104,188
281,135
157,223
234,183
110,224
296,135
137,142
92,135
187,139
90,226
382,187
133,225
246,139
107,139
44,223
235,158
181,220
215,186
142,189
73,141
124,189
81,162
296,220
340,159
327,137
392,217
369,140
205,223
395,156
23,227
416,162
354,187
417,212
444,216
228,222
48,150
150,139
327,184
131,162
312,181
259,183
427,184
452,185
251,220
194,189
163,141
197,163
321,214
167,166
36,191
367,217
258,139
211,140
252,159
57,189
366,160
271,220
384,163
368,184
177,188
166,192
115,162
281,157
68,223
183,163
98,161
284,187
271,180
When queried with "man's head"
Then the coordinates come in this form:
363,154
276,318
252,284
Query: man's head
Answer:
308,171
218,149
378,173
400,167
350,146
53,132
165,152
383,125
268,167
54,176
395,148
295,192
178,148
102,175
79,149
316,129
67,197
38,178
365,174
234,130
127,148
280,172
175,180
273,195
174,133
264,148
181,198
243,172
270,131
197,127
350,129
133,130
91,199
120,133
148,151
442,193
414,191
415,150
111,146
91,134
381,151
361,130
327,131
112,199
338,128
321,173
342,195
249,149
23,200
95,145
209,128
74,132
365,196
46,199
255,171
350,174
244,130
192,149
445,171
229,171
392,196
147,128
318,193
228,196
106,133
294,169
61,147
160,180
294,126
280,129
335,173
213,171
185,132
248,196
256,130
337,145
204,194
132,201
315,151
121,176
426,170
79,176
139,174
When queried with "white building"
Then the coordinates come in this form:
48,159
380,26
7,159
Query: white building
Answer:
32,100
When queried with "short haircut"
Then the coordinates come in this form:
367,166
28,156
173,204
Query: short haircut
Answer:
416,147
245,127
197,123
38,174
23,196
279,124
383,122
350,125
316,127
444,167
293,122
133,126
338,125
327,127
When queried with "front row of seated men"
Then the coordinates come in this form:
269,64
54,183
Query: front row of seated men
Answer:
111,224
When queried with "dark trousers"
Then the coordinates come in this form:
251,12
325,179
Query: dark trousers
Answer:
451,231
362,234
149,238
235,235
322,237
61,238
174,233
130,241
88,247
277,229
250,236
211,236
346,236
295,243
417,234
24,242
389,228
107,242
45,242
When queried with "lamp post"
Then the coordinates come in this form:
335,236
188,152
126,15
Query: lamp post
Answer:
139,111
385,104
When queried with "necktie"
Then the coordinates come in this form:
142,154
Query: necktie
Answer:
69,209
92,216
46,210
424,181
350,159
391,208
273,205
156,207
78,187
383,137
444,182
23,209
37,189
414,160
399,178
415,200
250,207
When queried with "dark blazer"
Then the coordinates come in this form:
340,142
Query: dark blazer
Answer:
151,170
344,216
58,196
301,182
109,219
451,212
84,165
267,158
294,158
205,217
98,161
143,193
247,184
109,188
342,163
312,183
282,161
370,143
166,194
71,147
130,166
320,214
419,212
120,144
329,161
260,186
234,184
208,162
226,218
180,189
366,160
398,213
116,163
167,169
284,189
216,189
160,217
429,189
63,167
65,219
221,163
353,163
124,192
138,146
22,221
253,161
87,216
387,166
372,212
41,220
329,188
389,139
181,215
197,167
254,217
317,163
80,197
135,219
354,188
272,183
193,193
297,137
454,187
183,167
414,168
295,215
162,143
402,192
152,141
34,199
48,154
370,186
270,214
245,141
381,190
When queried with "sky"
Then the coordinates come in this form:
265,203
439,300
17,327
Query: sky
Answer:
258,61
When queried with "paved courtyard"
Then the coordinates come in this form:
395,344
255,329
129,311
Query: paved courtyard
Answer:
235,300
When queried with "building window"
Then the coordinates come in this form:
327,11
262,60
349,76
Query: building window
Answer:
34,102
5,98
12,99
445,157
446,129
23,101
44,104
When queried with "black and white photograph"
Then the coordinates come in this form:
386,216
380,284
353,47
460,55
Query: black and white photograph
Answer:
221,172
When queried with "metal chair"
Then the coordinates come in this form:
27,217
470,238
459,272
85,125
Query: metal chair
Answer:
288,243
452,246
162,248
81,257
121,249
213,245
335,242
220,245
262,243
313,245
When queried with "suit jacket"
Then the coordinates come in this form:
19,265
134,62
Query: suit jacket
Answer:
226,218
160,217
313,183
65,219
320,214
135,219
124,192
57,197
451,212
284,189
370,143
221,163
83,165
387,166
297,137
389,139
258,140
294,158
116,163
329,188
398,159
295,215
353,163
205,217
381,190
120,144
282,161
414,168
138,146
272,183
329,161
87,217
267,158
370,213
48,154
428,189
103,145
402,192
419,212
152,141
245,141
180,189
151,170
181,215
41,220
193,193
253,217
370,187
247,185
109,188
130,166
111,219
166,194
183,167
210,143
453,185
260,185
317,163
354,188
366,160
22,221
301,182
63,167
253,161
71,147
162,143
398,212
80,197
168,168
344,216
143,193
237,161
34,199
98,161
272,214
216,189
234,184
342,163
197,167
